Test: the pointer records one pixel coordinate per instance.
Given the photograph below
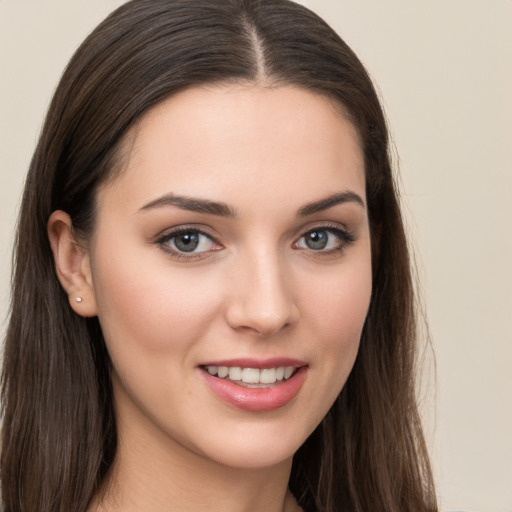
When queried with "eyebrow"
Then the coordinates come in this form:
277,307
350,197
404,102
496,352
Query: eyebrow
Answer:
329,202
224,210
192,204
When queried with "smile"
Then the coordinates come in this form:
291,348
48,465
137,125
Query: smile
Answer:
252,377
255,385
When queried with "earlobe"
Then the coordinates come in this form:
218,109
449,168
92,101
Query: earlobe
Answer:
72,264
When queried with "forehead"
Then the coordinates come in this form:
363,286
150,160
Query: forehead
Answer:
230,140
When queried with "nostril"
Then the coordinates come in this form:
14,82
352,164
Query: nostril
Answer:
262,326
262,301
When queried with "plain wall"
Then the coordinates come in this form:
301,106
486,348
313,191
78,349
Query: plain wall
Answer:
444,69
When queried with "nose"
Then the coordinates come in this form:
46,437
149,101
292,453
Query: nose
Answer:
261,299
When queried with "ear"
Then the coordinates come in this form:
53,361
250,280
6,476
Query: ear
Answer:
72,263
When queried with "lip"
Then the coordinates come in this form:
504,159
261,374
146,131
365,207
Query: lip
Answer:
257,399
247,362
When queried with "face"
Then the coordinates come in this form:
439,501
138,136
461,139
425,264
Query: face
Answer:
230,266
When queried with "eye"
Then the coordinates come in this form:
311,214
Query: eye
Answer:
188,242
325,239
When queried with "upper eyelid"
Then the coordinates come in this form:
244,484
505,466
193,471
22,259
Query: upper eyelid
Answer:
167,235
175,231
171,232
336,230
327,226
207,231
323,223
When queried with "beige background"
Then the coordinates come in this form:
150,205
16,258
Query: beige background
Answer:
445,72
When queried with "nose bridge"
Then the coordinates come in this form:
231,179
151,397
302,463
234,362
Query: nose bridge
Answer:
262,298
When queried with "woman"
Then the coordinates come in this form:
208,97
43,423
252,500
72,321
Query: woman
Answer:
212,303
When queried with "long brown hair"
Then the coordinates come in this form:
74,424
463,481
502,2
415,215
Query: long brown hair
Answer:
59,429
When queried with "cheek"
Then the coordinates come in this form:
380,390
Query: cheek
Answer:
344,311
337,302
152,305
337,311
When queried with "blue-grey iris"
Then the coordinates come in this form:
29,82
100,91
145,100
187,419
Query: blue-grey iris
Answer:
316,239
187,242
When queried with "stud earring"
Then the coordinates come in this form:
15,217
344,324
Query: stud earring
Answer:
78,299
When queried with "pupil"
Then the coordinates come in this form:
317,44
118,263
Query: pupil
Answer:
187,242
316,239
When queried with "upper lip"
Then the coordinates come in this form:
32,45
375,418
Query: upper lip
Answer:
246,362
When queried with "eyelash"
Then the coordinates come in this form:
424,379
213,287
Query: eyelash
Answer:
346,238
164,240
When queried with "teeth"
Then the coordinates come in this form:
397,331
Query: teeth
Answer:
235,373
252,375
268,376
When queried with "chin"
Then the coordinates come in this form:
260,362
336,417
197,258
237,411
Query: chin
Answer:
254,447
254,457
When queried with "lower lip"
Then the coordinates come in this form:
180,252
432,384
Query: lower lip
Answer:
257,399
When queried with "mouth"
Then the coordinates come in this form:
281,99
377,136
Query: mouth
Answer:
255,386
252,377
